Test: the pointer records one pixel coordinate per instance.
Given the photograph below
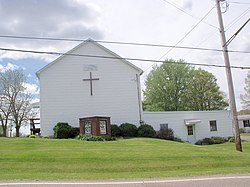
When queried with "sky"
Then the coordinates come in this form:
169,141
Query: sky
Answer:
189,23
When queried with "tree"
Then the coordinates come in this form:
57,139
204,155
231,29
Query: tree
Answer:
5,113
166,86
15,101
176,86
245,98
204,93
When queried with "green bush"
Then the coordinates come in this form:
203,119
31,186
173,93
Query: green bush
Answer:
62,130
32,136
165,133
128,130
115,130
178,140
241,130
75,131
231,139
210,141
85,137
146,131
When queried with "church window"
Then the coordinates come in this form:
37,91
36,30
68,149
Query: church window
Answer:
213,125
246,123
190,130
164,126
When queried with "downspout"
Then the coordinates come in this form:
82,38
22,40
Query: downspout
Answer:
139,98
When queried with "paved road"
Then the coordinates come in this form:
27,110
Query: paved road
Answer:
207,181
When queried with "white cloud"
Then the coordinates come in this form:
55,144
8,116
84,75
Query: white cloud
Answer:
55,19
9,66
141,21
31,88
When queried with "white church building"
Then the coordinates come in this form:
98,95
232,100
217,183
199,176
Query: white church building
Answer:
90,80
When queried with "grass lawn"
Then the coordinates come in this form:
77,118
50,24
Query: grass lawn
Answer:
27,158
245,134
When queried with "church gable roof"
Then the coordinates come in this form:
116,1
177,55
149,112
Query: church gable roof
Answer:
86,55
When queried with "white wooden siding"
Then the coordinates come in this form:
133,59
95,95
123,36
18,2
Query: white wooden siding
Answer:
65,97
175,121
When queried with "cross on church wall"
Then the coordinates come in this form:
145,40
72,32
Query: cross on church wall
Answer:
91,79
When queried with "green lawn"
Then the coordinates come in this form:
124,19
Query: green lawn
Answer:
26,158
245,134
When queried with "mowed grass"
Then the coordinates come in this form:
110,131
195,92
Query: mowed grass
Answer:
25,158
245,134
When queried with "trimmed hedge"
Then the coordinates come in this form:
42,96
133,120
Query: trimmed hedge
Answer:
146,131
115,131
75,131
128,130
63,130
165,133
85,137
210,141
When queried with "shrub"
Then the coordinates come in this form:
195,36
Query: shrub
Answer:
115,131
85,137
218,140
242,130
146,131
210,141
62,130
128,130
178,140
75,131
231,139
32,136
165,133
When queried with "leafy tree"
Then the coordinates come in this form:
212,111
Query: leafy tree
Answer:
15,102
204,93
166,87
176,86
245,98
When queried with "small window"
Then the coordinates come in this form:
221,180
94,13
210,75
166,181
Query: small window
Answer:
164,126
190,130
246,123
213,126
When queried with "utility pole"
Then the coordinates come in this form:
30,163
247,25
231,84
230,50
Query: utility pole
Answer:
238,145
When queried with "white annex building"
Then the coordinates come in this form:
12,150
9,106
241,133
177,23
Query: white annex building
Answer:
90,80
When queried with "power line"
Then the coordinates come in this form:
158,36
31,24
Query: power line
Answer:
227,28
238,2
119,58
188,32
237,19
183,37
180,9
121,43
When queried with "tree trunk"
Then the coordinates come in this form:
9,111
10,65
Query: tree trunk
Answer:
4,131
17,131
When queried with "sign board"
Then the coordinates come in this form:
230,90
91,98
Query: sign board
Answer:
103,127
